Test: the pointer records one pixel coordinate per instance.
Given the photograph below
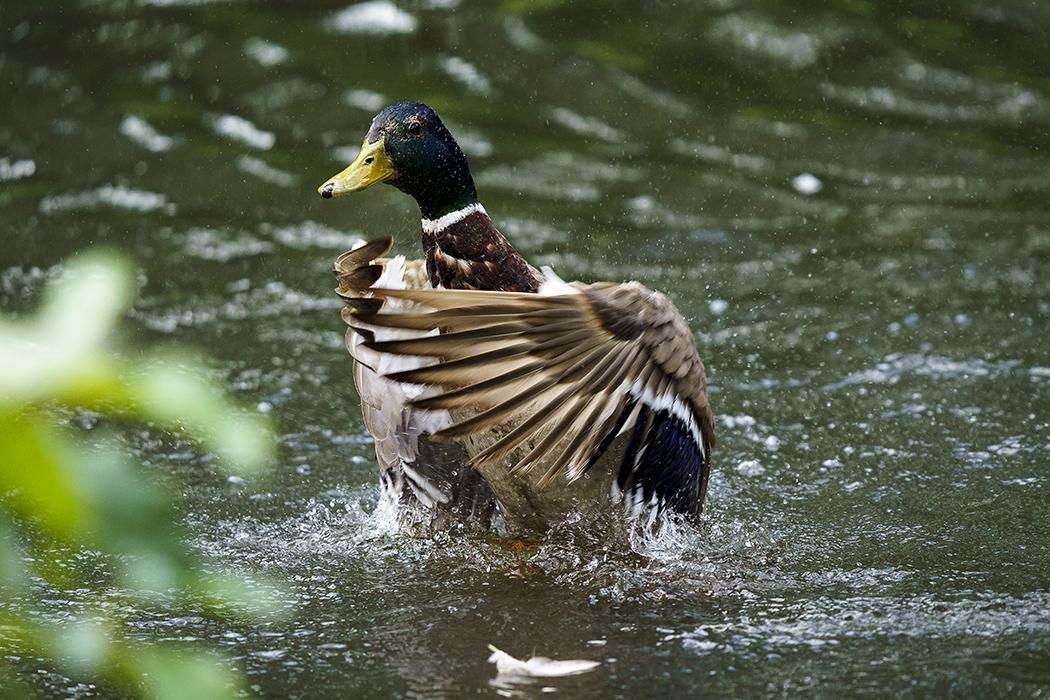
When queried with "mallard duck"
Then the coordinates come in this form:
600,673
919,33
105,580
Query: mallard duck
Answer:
485,381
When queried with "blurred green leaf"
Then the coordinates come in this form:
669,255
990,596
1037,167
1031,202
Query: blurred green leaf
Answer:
167,672
10,688
60,497
175,393
32,461
67,356
62,354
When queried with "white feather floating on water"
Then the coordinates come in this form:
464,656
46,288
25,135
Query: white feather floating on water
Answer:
538,666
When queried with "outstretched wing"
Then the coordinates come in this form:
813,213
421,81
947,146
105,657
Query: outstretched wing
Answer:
582,363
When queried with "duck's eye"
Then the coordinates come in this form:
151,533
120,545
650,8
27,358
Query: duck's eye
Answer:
415,128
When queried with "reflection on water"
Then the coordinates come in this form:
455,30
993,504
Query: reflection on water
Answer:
849,205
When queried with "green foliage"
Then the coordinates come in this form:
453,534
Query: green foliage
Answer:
80,520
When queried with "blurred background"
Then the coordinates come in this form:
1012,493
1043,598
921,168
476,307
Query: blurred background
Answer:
847,200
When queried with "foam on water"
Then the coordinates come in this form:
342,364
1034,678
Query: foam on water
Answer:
827,622
896,366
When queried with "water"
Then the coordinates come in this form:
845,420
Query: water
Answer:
849,204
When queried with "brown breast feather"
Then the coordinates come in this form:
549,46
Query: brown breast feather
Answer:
473,254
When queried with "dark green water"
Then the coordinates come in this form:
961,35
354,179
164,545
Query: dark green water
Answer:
848,201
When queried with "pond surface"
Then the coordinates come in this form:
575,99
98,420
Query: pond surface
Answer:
848,202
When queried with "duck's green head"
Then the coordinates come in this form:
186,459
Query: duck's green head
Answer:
409,148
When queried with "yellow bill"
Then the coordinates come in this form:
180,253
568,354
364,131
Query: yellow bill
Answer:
370,166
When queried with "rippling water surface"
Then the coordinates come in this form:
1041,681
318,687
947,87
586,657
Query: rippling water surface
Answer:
848,203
